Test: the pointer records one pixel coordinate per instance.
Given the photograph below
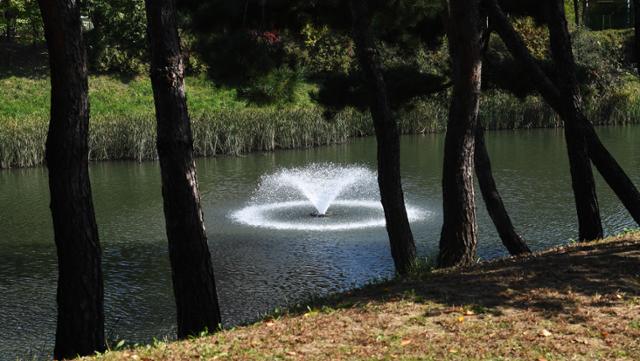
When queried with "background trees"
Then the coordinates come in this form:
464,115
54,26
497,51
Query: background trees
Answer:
20,18
117,39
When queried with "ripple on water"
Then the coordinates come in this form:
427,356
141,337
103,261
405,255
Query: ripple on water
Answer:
297,216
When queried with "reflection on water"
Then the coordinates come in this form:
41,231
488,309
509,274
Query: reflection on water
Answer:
258,269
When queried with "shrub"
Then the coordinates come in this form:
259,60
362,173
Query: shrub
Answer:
278,87
117,42
321,50
240,57
604,56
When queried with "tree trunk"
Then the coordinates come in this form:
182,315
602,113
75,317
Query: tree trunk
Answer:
192,271
498,213
636,39
589,224
80,324
34,34
493,202
458,239
606,164
403,249
576,12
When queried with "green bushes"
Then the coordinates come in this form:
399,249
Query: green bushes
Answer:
117,36
278,87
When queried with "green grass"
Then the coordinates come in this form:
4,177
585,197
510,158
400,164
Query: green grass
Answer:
110,96
123,122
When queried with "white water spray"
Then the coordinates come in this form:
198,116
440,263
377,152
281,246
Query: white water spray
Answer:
285,199
320,184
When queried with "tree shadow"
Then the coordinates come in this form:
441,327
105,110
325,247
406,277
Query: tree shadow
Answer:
32,62
27,61
552,284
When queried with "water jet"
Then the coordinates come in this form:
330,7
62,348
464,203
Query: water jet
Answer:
318,197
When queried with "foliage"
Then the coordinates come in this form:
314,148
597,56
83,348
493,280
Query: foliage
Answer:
21,21
301,60
320,50
604,56
280,86
403,83
194,64
409,23
239,57
117,43
536,36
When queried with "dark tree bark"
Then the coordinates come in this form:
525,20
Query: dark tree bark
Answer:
493,202
192,270
80,325
584,188
458,239
636,39
403,249
606,164
495,207
576,11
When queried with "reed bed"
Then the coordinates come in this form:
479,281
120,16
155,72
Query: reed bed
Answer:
238,131
224,132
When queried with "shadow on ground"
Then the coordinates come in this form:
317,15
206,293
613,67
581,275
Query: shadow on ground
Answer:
26,61
553,283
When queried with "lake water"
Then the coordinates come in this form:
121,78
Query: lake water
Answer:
258,270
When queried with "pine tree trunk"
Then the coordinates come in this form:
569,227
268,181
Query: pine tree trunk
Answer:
576,12
458,239
80,324
495,207
606,164
403,249
192,271
493,202
636,38
589,224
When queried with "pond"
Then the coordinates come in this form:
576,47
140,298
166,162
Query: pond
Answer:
258,270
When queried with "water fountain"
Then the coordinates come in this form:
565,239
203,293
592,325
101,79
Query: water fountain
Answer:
312,198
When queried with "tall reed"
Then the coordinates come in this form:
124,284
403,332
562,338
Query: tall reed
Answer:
237,131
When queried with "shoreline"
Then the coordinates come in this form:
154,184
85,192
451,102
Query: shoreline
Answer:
147,152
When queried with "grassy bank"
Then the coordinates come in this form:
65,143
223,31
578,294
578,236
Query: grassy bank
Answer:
123,124
580,302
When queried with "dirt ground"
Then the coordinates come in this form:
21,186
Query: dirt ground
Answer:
580,302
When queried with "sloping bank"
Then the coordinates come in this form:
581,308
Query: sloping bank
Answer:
237,131
580,302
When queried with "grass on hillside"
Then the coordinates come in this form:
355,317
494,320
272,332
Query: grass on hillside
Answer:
580,302
122,122
111,96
